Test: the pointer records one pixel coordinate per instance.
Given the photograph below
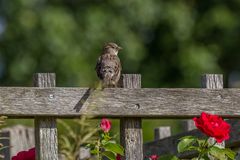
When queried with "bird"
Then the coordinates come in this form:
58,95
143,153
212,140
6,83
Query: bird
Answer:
108,67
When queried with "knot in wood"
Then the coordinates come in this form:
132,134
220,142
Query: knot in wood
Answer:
51,96
220,96
137,106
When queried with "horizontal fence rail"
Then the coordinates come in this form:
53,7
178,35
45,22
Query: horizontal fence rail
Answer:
131,103
118,102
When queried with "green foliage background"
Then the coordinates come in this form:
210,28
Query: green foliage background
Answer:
171,43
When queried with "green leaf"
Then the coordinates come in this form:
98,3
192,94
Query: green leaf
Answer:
106,137
88,145
200,159
187,137
4,147
200,142
110,155
168,157
113,147
102,135
104,142
231,154
186,144
218,153
205,157
174,158
94,151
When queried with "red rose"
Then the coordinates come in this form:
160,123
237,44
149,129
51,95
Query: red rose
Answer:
105,125
213,126
118,157
153,157
25,155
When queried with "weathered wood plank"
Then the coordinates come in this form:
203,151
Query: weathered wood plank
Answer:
118,102
131,128
188,125
162,132
46,141
212,81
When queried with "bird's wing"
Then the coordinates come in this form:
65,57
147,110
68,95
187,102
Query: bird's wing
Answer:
118,66
108,61
113,62
98,67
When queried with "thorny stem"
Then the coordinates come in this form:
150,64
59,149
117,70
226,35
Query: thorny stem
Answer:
203,149
98,149
213,144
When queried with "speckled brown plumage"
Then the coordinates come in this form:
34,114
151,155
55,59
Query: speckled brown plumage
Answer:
108,66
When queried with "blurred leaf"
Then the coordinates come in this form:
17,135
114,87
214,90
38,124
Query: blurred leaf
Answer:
218,153
186,144
109,155
113,147
80,132
231,154
168,157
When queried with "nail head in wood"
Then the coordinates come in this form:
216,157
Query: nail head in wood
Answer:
131,128
46,140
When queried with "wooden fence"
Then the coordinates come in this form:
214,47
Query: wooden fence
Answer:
45,103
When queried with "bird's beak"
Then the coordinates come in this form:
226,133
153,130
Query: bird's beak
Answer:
120,48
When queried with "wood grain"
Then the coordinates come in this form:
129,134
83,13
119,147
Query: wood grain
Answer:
119,102
188,125
212,81
162,132
46,141
131,128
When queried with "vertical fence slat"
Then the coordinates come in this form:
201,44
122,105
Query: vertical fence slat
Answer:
5,142
213,81
162,132
188,125
131,128
45,127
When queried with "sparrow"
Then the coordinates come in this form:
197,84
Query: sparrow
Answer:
108,66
